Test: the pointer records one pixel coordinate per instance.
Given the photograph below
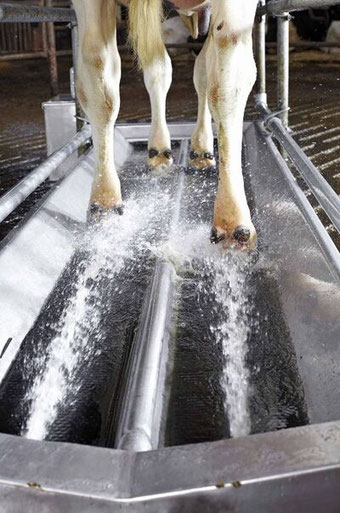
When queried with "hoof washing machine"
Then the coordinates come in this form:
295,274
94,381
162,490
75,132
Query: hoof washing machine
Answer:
143,369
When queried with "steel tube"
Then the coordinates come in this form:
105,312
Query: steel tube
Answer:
138,425
138,429
325,242
31,55
51,54
15,196
260,52
323,192
10,13
283,67
277,7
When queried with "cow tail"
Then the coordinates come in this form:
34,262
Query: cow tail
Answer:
145,30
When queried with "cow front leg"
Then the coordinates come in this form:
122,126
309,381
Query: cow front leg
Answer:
157,79
231,74
202,140
98,76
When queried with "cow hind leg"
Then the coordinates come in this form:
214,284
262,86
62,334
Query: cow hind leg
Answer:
231,74
97,84
157,79
202,140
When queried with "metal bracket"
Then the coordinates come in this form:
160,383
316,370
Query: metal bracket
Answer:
284,16
83,120
270,116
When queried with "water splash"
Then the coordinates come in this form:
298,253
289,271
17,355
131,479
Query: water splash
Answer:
232,333
107,247
223,274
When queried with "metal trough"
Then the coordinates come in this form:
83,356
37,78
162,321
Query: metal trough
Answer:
295,469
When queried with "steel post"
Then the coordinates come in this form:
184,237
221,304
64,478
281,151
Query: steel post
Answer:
75,52
51,54
283,67
260,52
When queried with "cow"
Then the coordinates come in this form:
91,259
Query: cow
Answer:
224,75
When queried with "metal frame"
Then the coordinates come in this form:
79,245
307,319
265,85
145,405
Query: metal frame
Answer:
14,197
278,122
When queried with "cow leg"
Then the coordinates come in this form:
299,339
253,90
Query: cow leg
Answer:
231,73
157,79
202,140
98,76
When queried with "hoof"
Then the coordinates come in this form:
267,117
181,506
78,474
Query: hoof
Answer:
96,212
160,158
241,235
215,238
242,238
202,161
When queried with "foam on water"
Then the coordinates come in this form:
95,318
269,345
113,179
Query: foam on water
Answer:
107,247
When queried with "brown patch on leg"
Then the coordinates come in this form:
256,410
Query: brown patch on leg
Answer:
214,94
108,105
228,40
99,64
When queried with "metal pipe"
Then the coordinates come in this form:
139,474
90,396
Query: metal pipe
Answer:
80,114
283,67
139,422
51,54
260,52
11,13
31,55
15,196
138,426
277,7
325,242
323,192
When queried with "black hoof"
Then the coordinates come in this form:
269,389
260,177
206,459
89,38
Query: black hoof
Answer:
97,212
119,210
153,153
215,238
241,234
193,155
208,155
167,154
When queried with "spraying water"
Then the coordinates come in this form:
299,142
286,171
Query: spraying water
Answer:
222,274
232,333
107,247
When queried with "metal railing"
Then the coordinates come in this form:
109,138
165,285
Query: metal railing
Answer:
11,13
277,122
